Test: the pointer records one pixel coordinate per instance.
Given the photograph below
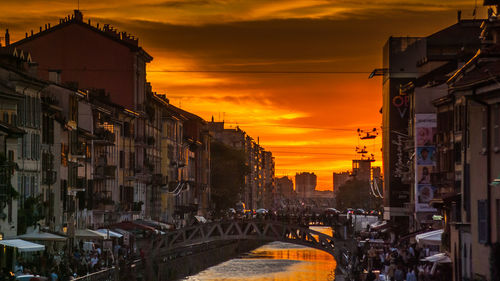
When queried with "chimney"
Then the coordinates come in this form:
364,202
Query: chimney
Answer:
32,32
49,25
7,37
459,16
45,26
55,76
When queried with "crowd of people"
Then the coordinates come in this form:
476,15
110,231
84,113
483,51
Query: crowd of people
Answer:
84,259
383,258
399,263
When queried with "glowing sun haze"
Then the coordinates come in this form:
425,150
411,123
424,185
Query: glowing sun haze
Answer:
249,50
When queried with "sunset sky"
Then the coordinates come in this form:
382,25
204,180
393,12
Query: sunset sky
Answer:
232,59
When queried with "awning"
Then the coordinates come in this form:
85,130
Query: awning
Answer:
112,234
430,238
439,258
42,236
496,182
89,234
22,246
379,225
121,231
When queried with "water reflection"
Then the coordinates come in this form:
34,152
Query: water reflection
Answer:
276,261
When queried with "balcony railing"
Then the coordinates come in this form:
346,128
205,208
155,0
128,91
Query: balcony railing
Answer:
104,136
49,177
105,172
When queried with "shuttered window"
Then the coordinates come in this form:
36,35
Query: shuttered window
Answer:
482,219
496,128
484,131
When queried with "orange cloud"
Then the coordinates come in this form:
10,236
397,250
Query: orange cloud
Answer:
259,63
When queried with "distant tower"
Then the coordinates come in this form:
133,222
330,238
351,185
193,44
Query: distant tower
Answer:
7,37
305,184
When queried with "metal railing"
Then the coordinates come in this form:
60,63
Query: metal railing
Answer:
110,274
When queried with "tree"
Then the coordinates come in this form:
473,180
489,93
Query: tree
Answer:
7,191
228,171
356,194
30,214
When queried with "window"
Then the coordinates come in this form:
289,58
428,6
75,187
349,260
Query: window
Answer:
33,147
20,113
122,159
467,191
484,131
37,112
64,154
6,117
126,129
482,219
26,186
496,128
131,160
32,111
33,186
27,146
27,111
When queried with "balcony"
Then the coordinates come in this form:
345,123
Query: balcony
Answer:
105,204
49,177
104,137
151,141
105,172
81,184
79,149
149,166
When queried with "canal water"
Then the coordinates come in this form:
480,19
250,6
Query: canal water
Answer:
275,261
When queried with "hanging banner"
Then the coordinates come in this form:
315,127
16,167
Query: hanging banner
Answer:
425,160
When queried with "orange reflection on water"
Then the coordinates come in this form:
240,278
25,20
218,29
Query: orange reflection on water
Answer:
313,264
275,261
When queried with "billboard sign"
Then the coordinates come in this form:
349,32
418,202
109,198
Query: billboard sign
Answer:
425,160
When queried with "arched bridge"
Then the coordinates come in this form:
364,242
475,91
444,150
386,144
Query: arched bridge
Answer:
262,230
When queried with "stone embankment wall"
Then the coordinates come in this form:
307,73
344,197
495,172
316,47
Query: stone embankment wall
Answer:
198,258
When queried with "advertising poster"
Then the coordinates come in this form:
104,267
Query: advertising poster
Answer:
425,161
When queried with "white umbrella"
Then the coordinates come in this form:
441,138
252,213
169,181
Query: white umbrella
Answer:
430,238
89,234
439,258
112,234
42,236
22,246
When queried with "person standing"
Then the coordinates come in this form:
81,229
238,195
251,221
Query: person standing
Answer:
53,275
399,274
411,275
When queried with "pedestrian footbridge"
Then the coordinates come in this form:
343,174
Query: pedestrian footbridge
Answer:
266,231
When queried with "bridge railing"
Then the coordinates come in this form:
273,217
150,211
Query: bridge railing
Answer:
244,230
110,274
